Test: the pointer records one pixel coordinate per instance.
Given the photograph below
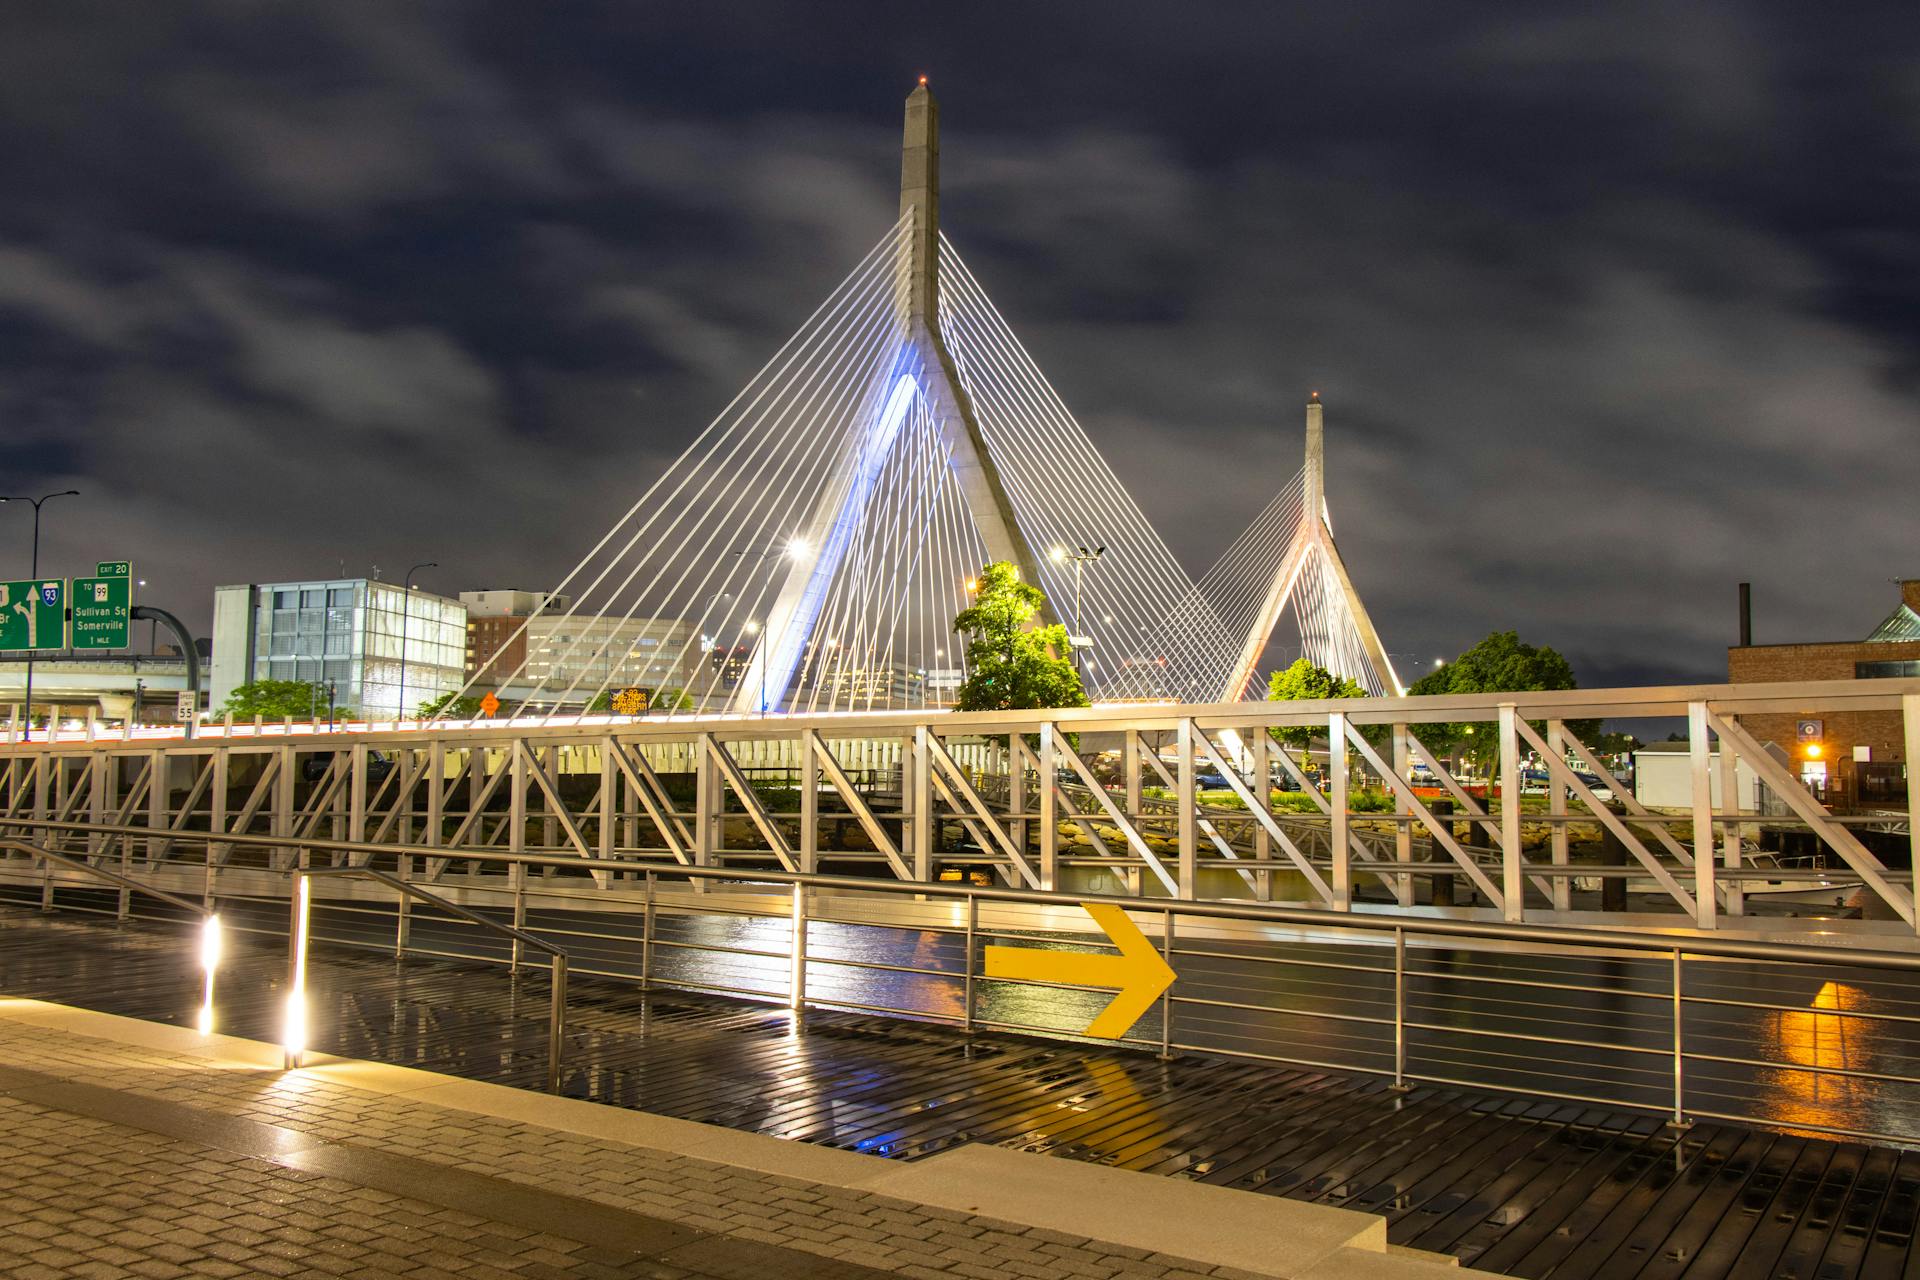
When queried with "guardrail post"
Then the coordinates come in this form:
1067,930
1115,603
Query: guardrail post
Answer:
1188,824
973,930
1403,828
1557,807
1340,841
1910,712
1731,855
517,843
1513,885
1166,997
1679,1120
1049,810
916,787
556,1019
216,818
797,979
293,1037
1400,1084
646,936
1705,897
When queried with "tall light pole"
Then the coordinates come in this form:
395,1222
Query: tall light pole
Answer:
796,550
753,629
1081,558
406,600
34,572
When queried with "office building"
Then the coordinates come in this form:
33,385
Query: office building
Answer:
352,633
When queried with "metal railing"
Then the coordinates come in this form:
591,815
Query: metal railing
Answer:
210,933
688,791
1686,1024
298,934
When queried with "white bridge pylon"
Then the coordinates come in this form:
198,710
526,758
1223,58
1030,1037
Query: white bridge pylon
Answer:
1250,589
809,550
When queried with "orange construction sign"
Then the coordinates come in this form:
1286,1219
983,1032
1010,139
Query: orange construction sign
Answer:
490,704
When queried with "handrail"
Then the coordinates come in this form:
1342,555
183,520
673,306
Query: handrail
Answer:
210,943
557,997
1692,942
1774,697
126,882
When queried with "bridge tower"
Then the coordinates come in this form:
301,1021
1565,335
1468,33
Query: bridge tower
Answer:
925,371
1312,549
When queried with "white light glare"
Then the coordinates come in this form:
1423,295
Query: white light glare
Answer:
209,962
294,1038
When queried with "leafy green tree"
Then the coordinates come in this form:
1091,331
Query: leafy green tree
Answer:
1501,663
453,706
276,700
1305,682
1011,663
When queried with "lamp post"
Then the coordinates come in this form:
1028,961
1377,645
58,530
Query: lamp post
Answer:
796,549
406,599
34,572
753,629
1081,558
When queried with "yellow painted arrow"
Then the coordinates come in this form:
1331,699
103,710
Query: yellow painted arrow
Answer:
1138,971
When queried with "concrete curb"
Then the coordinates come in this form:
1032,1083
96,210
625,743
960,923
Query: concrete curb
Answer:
1257,1234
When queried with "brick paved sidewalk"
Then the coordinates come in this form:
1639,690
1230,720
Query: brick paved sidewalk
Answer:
123,1160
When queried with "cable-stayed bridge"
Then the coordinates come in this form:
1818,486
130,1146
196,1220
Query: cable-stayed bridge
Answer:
809,550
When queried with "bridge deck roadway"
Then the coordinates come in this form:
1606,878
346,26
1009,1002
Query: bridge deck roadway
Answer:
1522,1187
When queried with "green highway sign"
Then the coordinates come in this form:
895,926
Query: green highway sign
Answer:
113,569
102,609
33,615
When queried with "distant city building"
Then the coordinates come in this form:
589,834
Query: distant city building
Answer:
493,626
574,659
110,685
347,631
512,604
1851,757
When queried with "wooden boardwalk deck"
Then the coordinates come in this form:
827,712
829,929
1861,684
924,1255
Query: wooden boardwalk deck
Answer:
1524,1187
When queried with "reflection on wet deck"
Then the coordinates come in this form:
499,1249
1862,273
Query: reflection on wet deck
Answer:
1530,1188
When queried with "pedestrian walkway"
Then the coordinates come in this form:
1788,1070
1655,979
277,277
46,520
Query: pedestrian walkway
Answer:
1513,1185
135,1149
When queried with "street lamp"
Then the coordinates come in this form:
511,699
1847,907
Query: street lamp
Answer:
34,572
753,629
794,549
406,599
1081,558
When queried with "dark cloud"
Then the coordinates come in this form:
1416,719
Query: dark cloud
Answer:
1611,308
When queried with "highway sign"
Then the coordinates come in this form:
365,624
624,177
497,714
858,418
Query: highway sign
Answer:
1139,972
33,615
187,706
113,569
102,609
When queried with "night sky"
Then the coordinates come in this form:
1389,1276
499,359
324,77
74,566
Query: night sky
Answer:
1611,306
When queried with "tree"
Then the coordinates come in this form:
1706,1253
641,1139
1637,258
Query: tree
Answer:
453,706
1304,682
1501,663
1011,663
278,699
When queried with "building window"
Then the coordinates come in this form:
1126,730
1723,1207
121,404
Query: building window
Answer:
1879,670
340,597
286,600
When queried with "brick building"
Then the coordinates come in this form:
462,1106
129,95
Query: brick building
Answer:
1854,757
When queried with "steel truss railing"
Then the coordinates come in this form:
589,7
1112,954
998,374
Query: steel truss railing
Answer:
1816,1039
1099,797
